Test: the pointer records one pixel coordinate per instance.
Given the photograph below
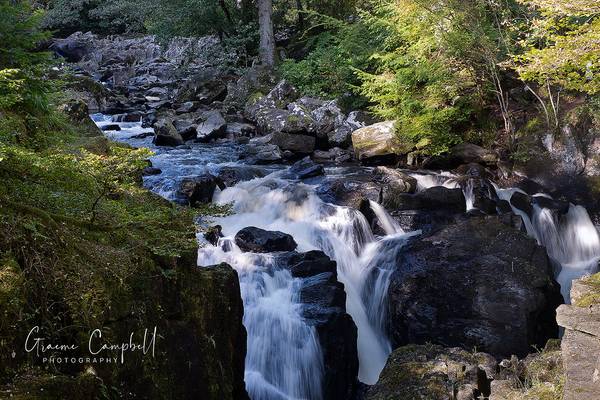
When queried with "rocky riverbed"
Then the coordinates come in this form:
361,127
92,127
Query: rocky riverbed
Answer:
358,263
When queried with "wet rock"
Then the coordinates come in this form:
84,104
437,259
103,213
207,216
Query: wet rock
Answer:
580,343
522,202
186,128
199,189
434,372
261,241
263,153
311,263
111,127
350,191
305,169
324,306
213,127
475,284
378,142
503,207
235,174
294,142
394,182
559,207
165,134
433,198
135,116
213,234
151,171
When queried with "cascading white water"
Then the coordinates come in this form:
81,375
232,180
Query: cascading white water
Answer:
572,240
283,359
389,224
270,296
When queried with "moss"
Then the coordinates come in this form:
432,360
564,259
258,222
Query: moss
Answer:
592,296
254,97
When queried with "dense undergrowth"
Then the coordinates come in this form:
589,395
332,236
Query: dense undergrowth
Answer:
82,244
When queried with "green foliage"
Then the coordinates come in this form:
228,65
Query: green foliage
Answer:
329,69
103,16
22,82
562,47
433,68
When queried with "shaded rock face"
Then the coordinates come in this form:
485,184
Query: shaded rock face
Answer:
474,284
377,142
206,345
464,153
324,306
580,343
437,198
434,372
261,241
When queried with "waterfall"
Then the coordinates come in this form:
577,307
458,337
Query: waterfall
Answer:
389,224
571,240
276,330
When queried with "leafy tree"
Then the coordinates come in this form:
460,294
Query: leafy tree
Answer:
564,46
22,67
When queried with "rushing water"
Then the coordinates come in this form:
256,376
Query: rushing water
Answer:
571,240
284,359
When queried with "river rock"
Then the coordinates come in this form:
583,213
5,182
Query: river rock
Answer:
341,136
199,189
436,198
296,143
475,284
522,202
395,181
324,306
213,127
434,372
165,134
327,118
232,175
378,142
186,128
259,240
311,263
580,344
263,153
350,191
305,169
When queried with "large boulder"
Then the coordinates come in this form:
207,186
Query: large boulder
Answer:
581,341
378,142
199,189
434,372
341,136
295,143
474,284
212,127
165,134
324,306
436,198
75,47
259,240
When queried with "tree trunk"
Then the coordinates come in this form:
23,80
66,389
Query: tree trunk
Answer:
266,51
